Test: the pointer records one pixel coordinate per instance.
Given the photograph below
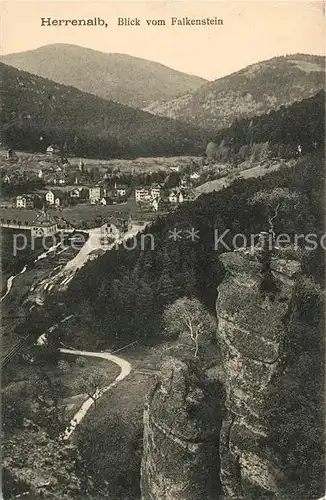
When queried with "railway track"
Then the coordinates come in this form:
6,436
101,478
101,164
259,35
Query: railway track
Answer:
22,342
14,350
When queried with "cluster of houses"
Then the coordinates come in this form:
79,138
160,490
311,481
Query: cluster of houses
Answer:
157,197
63,174
56,184
41,223
25,201
54,198
104,196
52,171
154,197
95,195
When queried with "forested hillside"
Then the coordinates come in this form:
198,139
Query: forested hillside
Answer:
122,78
122,295
299,128
114,288
192,266
37,112
252,91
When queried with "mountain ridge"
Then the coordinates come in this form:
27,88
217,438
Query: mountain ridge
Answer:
122,78
253,90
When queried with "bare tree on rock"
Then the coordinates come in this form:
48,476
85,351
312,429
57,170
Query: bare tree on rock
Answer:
188,318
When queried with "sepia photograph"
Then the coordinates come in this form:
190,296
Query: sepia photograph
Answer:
162,174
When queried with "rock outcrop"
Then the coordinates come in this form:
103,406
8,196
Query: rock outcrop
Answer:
182,421
255,307
188,454
37,467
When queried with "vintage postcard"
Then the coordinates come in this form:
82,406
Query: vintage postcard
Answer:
162,171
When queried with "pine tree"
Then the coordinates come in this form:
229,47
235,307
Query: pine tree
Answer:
165,289
266,151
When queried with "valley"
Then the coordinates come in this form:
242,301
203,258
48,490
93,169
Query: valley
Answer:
141,360
83,333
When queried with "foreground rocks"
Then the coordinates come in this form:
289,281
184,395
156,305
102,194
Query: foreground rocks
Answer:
181,435
36,465
188,452
255,308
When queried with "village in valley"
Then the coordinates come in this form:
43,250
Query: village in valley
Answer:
83,193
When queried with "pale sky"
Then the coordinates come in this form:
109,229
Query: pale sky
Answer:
253,31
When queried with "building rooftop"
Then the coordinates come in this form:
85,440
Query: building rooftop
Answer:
37,217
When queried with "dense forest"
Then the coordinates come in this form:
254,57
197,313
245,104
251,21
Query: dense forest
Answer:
277,134
113,288
37,112
123,294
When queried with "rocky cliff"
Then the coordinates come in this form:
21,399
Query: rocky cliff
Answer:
255,308
181,435
188,454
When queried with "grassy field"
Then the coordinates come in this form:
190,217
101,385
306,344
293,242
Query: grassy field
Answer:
242,173
35,161
84,214
141,164
89,213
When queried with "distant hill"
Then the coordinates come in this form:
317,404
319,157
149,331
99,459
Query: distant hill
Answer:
252,91
117,77
37,112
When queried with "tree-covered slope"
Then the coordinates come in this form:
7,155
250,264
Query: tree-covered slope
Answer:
122,296
37,112
251,91
285,133
302,123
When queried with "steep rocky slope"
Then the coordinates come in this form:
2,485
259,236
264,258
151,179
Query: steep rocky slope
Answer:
253,322
252,91
118,77
181,427
234,445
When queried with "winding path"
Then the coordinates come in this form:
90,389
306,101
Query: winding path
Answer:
125,370
9,282
40,257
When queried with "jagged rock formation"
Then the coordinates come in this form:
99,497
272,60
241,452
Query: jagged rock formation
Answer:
255,308
185,447
181,430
